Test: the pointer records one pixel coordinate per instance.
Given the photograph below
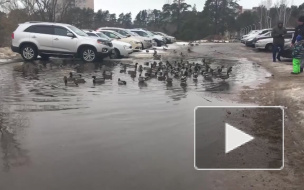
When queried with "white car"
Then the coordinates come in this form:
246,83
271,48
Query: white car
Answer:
267,43
46,39
121,49
160,40
171,39
146,42
136,44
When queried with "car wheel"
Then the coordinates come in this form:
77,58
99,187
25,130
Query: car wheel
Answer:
115,54
29,52
88,54
269,47
44,57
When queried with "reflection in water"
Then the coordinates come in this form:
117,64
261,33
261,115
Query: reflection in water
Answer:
11,123
87,135
218,87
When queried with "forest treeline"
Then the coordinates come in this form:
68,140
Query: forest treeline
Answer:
180,19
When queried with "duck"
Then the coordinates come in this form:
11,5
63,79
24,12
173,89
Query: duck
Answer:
141,79
195,75
183,79
134,66
80,81
225,77
98,80
169,80
121,82
70,82
75,75
107,75
161,77
140,69
124,69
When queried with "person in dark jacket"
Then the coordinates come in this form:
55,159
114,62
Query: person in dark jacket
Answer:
299,30
278,34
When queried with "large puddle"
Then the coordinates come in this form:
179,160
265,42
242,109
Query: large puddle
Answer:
105,136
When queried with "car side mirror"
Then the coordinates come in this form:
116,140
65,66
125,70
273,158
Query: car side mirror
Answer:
69,34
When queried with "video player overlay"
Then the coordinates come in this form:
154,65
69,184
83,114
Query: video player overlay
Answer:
239,138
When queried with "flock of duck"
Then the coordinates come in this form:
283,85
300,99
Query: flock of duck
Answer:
163,72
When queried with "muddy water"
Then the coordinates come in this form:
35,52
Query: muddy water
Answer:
105,136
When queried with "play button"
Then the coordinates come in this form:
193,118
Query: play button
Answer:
235,138
245,138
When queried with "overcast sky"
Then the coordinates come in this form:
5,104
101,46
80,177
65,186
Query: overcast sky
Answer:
134,6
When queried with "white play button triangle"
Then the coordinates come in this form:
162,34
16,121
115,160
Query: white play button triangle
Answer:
235,138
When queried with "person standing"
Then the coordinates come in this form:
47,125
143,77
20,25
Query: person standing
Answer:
278,34
297,54
299,30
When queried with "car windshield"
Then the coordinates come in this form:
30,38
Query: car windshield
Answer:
122,32
77,31
119,35
134,34
149,33
104,36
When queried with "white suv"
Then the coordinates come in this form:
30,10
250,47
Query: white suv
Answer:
31,39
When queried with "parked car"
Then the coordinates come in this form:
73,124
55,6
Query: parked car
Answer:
263,34
250,39
267,42
146,42
121,49
160,40
287,51
31,39
136,44
252,32
170,39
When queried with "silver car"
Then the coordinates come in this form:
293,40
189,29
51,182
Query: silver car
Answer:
146,42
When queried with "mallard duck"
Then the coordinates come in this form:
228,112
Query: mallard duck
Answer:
134,66
69,81
225,77
169,80
124,69
195,76
107,75
80,81
75,75
183,79
121,82
98,80
141,79
140,69
161,77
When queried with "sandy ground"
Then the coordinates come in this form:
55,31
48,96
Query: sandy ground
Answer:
283,89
